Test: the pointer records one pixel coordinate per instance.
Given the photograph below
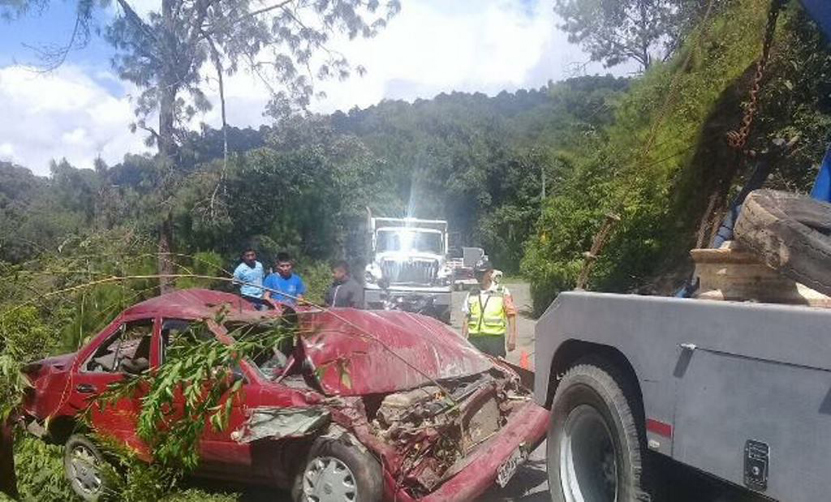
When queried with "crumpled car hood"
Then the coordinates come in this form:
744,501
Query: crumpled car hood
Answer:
359,352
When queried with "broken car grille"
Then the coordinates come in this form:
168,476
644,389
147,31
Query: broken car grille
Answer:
481,423
414,272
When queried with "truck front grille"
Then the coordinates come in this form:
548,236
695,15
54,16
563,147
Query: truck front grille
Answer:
415,272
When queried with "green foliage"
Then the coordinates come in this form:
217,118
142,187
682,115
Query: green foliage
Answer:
199,370
649,149
196,495
40,472
23,337
479,162
665,153
476,161
317,277
616,31
307,194
204,263
41,477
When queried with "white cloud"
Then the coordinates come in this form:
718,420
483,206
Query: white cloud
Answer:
61,114
436,46
456,45
432,46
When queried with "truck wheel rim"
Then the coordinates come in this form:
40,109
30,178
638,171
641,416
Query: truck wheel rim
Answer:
85,471
327,479
588,465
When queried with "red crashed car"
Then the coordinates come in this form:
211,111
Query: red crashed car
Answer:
385,433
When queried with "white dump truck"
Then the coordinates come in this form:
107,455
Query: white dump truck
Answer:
408,269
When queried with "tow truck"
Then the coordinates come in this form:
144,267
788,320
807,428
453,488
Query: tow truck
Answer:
738,390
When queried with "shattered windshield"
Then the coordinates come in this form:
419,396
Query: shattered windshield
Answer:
409,240
277,344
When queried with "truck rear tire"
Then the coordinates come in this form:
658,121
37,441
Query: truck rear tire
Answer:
596,446
790,233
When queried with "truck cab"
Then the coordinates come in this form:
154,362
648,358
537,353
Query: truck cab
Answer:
409,261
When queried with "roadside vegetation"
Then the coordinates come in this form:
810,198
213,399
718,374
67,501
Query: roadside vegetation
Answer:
664,154
528,175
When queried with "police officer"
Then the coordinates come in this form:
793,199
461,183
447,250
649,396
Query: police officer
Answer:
490,314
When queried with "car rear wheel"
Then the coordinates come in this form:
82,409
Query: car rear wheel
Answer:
595,445
338,472
84,466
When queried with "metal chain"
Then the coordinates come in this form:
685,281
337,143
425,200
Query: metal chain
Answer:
738,139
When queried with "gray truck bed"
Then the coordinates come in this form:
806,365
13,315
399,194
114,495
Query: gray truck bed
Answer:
713,375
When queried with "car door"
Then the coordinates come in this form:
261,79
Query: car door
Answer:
220,455
123,348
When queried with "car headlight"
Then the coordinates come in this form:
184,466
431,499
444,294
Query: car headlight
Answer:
373,273
444,277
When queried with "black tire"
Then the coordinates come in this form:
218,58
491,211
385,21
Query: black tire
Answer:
365,469
592,397
789,233
83,465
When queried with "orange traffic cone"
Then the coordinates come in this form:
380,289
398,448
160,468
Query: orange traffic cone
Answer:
524,363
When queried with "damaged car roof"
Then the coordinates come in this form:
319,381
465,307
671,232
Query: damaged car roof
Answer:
356,352
191,303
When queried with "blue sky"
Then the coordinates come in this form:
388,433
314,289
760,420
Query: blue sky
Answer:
82,110
52,26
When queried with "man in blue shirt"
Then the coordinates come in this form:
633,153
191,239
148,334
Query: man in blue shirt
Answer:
249,275
284,286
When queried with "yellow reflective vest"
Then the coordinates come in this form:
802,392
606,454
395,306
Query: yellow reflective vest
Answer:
487,316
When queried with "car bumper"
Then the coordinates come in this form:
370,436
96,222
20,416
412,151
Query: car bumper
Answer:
442,297
526,428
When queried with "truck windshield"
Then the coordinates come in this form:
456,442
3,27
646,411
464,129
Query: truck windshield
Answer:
409,240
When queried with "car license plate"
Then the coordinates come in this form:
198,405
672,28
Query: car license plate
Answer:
508,468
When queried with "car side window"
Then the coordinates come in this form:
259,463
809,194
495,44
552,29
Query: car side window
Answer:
171,328
125,351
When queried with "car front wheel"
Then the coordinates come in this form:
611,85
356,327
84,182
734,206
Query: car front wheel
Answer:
84,466
338,472
595,449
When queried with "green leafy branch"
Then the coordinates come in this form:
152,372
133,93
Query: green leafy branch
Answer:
195,387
